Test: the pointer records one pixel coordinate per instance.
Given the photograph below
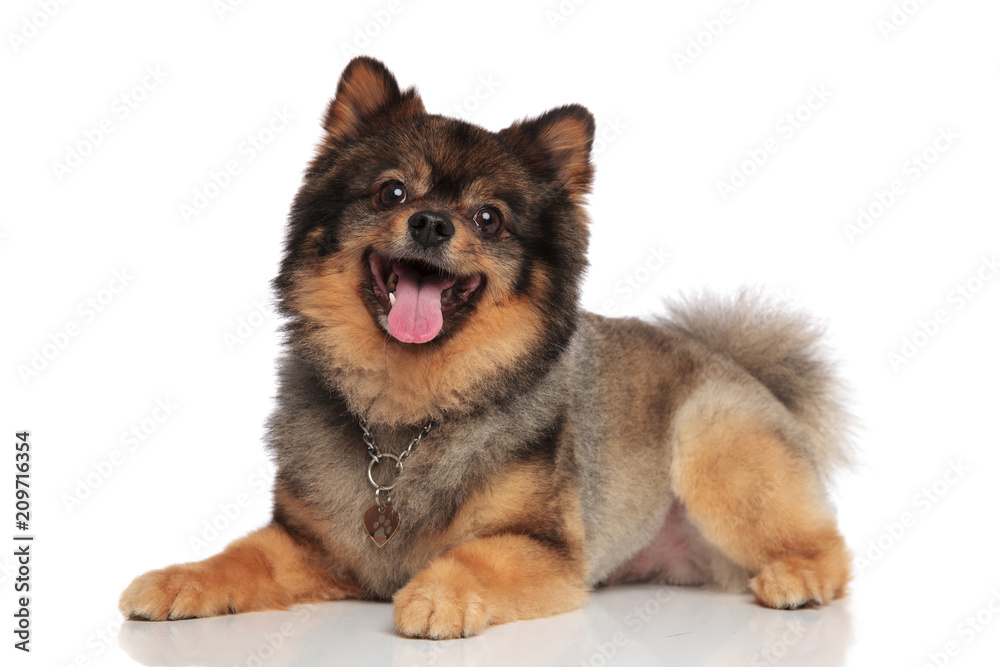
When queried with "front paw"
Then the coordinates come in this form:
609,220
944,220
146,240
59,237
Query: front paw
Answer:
442,602
173,593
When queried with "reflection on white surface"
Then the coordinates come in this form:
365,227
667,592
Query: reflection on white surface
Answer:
633,625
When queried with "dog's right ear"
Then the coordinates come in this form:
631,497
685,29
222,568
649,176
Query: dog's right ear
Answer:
367,97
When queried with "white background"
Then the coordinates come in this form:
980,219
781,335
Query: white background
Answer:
671,132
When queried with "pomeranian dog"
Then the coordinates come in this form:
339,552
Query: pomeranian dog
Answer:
453,433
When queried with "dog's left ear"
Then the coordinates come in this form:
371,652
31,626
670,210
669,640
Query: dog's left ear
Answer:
556,146
367,97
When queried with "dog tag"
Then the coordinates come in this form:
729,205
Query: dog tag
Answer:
381,523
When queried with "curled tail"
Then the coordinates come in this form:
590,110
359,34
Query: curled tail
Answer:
783,351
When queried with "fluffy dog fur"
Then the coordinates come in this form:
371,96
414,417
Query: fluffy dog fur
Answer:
569,451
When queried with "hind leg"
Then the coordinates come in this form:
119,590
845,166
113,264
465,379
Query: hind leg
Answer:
752,495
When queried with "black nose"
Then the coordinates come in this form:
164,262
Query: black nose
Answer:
430,229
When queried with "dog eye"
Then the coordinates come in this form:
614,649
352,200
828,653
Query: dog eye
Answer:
392,193
489,220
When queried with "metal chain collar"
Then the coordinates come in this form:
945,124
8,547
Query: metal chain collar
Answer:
377,456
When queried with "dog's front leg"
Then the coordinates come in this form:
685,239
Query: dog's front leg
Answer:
267,569
489,581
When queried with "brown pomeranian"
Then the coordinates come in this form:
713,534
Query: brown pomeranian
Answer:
453,433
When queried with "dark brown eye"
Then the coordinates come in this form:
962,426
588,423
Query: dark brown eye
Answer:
489,220
392,193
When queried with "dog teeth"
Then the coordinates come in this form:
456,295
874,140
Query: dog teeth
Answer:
392,299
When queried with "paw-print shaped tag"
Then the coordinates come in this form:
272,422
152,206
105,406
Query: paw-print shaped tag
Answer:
381,523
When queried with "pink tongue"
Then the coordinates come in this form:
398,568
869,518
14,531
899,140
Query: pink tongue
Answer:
416,315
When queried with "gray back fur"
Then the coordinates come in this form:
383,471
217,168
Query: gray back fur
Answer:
783,351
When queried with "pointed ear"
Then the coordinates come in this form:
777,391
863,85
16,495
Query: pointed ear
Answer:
556,146
367,97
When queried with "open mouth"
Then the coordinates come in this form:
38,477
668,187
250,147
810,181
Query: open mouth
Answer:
417,296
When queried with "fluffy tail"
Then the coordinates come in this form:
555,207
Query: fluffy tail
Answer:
783,351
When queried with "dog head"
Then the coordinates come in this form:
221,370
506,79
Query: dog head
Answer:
431,265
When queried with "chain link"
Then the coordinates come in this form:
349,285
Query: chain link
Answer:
369,440
377,456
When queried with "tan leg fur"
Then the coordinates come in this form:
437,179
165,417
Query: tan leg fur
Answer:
485,582
266,569
760,502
